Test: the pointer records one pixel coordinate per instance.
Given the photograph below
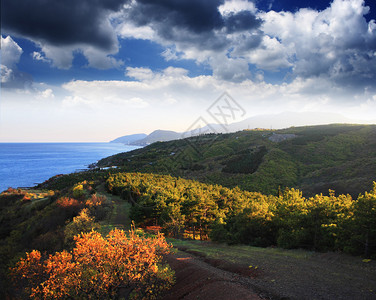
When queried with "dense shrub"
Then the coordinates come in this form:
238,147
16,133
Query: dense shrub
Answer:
80,224
97,268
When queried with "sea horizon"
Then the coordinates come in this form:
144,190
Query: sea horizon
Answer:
26,164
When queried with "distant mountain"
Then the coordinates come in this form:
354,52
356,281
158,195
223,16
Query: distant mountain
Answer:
158,136
271,121
129,139
276,121
289,119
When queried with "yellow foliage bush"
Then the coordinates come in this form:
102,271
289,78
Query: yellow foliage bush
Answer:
98,267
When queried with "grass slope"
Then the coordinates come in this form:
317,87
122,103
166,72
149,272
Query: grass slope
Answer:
294,274
340,157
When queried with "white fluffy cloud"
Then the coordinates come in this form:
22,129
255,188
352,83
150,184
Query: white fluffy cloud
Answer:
336,42
128,30
175,88
101,59
6,74
62,57
10,56
230,69
46,94
40,57
139,73
270,55
102,93
235,6
10,52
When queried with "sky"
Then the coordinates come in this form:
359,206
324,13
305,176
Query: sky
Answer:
94,70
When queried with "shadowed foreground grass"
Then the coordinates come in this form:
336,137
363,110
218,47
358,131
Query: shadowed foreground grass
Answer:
295,274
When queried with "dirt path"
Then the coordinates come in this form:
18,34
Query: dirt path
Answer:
298,274
196,279
120,214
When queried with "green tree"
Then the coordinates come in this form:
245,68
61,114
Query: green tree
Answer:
363,224
81,224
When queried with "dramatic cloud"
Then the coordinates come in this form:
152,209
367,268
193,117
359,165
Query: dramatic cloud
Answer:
169,60
11,77
194,24
329,53
62,23
208,32
336,43
61,27
10,52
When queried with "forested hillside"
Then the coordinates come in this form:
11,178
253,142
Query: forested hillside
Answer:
313,159
186,208
47,222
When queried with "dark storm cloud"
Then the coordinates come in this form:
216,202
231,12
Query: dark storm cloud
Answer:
72,22
190,21
65,22
241,21
193,15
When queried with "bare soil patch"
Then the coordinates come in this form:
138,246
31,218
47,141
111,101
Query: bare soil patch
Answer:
275,273
196,279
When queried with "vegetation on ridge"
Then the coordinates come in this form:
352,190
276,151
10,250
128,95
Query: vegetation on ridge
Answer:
319,158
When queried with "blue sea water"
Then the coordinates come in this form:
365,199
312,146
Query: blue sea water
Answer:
26,164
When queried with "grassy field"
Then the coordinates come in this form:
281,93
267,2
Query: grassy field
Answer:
295,274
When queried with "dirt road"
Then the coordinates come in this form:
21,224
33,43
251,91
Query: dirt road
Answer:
196,279
282,274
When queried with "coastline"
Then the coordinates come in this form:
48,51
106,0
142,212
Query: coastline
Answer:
29,164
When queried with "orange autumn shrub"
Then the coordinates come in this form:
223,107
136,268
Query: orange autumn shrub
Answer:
95,200
66,202
26,198
98,267
30,268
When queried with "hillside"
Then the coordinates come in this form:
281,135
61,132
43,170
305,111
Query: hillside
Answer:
311,158
129,139
158,136
47,217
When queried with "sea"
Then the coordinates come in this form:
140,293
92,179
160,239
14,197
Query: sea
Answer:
27,164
